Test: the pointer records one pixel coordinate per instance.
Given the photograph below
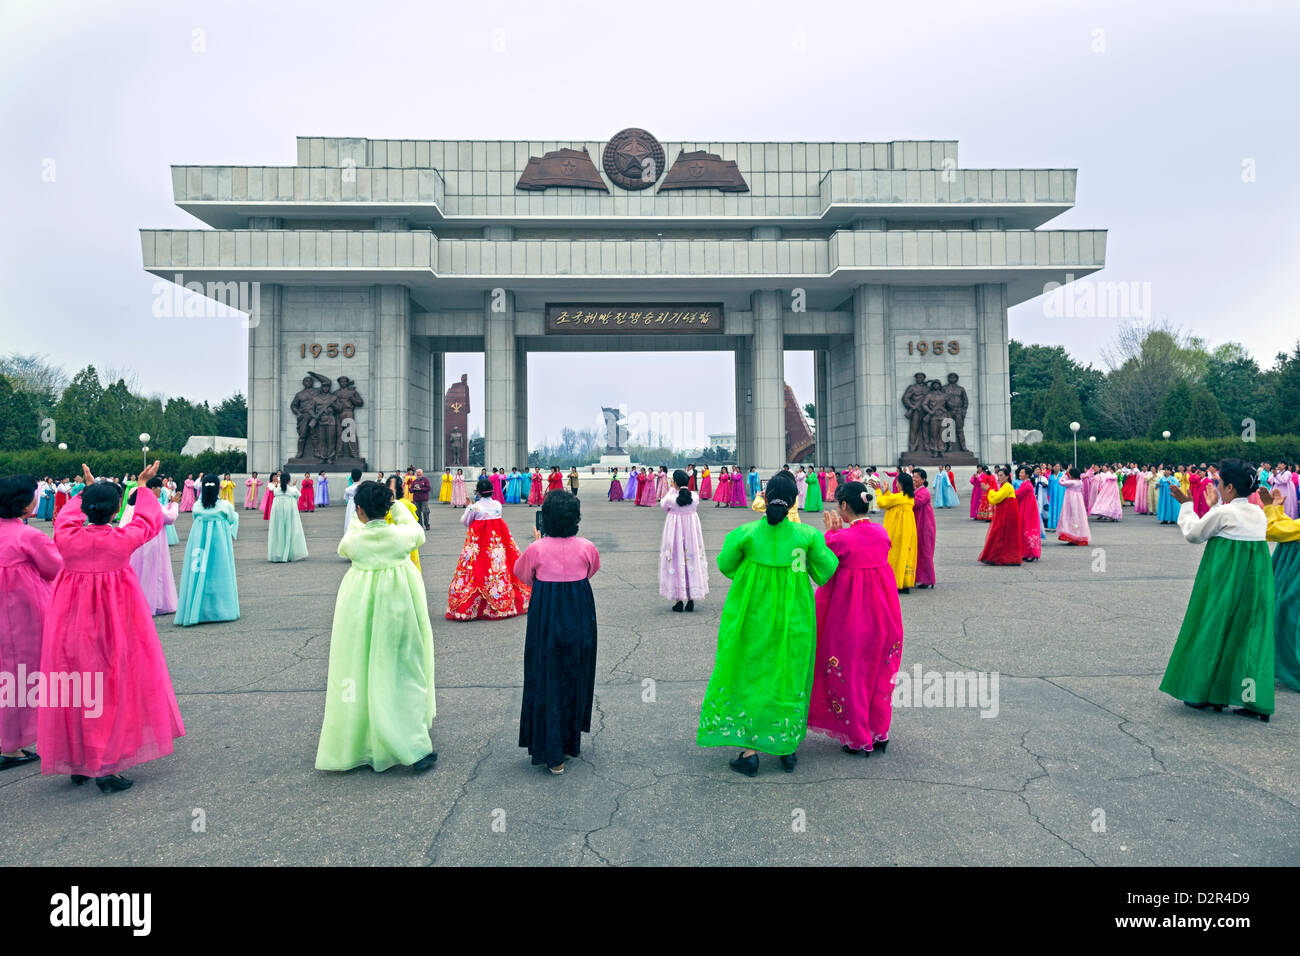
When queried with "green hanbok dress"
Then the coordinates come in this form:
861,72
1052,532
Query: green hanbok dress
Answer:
1224,652
812,499
758,695
285,540
1286,594
379,693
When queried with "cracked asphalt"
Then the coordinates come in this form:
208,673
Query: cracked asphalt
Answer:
1086,762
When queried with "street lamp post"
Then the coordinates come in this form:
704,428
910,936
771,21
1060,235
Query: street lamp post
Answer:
1165,433
144,450
1074,427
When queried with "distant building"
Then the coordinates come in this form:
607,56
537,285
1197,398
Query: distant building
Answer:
726,440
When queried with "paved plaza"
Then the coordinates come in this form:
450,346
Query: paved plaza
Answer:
1085,762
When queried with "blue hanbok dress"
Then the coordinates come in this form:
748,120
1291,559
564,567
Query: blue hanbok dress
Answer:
1167,507
170,527
945,496
629,492
45,508
208,591
1055,501
322,492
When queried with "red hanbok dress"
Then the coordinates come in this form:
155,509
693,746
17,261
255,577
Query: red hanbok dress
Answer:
495,478
1199,504
100,626
706,486
1031,528
989,485
1004,542
923,508
859,640
307,496
1130,488
535,495
645,490
268,499
554,482
484,584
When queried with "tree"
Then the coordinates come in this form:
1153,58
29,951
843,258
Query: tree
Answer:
77,408
1205,419
476,450
1145,364
1061,406
20,424
232,416
1175,413
34,375
1033,369
811,411
1234,379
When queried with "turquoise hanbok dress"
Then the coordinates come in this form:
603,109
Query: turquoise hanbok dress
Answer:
208,590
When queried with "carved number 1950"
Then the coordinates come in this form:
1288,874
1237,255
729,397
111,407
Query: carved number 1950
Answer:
330,349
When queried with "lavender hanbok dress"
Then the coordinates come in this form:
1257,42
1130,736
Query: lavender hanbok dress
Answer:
683,566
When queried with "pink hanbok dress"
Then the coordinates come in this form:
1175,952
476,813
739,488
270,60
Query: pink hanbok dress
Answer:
1284,483
923,508
458,496
495,478
99,625
662,485
683,565
1072,526
859,640
250,496
29,562
1141,495
1106,501
152,564
188,495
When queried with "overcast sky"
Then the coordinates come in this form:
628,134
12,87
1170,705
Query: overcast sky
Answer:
1165,109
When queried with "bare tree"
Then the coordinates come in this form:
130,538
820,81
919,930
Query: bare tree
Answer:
1145,362
34,374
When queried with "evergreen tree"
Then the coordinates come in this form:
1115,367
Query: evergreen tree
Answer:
1206,419
232,417
75,414
20,422
1175,413
1061,406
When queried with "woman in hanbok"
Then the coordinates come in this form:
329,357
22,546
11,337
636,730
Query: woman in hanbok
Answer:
615,486
458,498
1167,504
268,496
976,493
397,491
1224,655
227,488
560,641
285,541
536,488
511,489
723,496
990,482
859,631
944,495
322,491
554,481
1286,585
379,696
923,508
29,563
1128,494
1281,481
813,500
1055,498
646,488
801,482
1004,543
1153,491
662,483
307,494
1141,492
740,485
349,494
251,484
1072,526
444,489
900,523
1031,526
208,589
630,489
760,502
99,623
151,562
706,485
484,583
759,694
1106,502
61,495
495,481
691,483
753,484
683,565
1197,483
188,493
45,507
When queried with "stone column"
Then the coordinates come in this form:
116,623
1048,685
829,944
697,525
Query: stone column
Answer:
993,374
423,388
388,397
824,422
521,407
437,409
768,383
744,356
267,401
874,415
843,402
500,442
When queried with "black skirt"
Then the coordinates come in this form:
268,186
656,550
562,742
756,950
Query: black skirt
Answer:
559,670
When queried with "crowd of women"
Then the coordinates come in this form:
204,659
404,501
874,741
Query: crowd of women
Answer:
789,659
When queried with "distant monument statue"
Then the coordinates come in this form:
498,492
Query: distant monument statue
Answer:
615,433
958,403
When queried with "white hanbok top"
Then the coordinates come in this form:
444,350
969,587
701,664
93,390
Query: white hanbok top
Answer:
1239,520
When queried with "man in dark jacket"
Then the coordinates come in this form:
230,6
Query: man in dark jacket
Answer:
420,497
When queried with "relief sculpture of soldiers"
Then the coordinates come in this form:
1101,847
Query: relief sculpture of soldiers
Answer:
325,423
936,418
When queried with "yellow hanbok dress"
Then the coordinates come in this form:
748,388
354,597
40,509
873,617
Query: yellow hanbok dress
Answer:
900,523
227,492
760,505
444,492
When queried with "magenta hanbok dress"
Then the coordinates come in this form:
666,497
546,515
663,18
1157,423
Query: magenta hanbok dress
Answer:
859,640
29,562
99,624
1031,526
977,494
683,565
1106,501
615,488
250,496
923,508
738,490
267,500
152,564
495,478
188,495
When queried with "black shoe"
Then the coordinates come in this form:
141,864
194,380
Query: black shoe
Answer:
746,765
849,750
78,779
677,606
1247,712
881,745
114,783
1188,703
8,763
788,761
690,605
425,763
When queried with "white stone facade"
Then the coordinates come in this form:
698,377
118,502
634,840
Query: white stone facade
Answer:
387,254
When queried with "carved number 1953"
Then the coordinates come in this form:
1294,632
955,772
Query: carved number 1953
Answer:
936,347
